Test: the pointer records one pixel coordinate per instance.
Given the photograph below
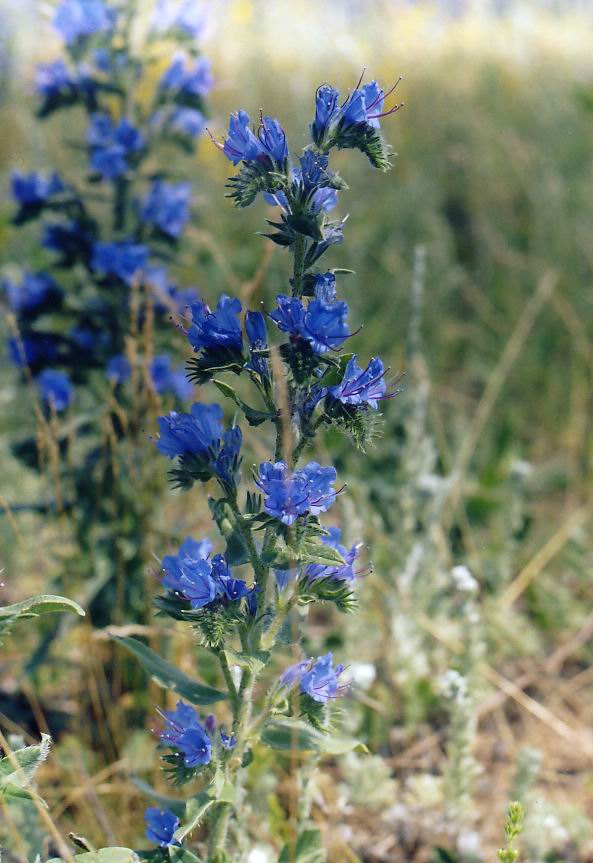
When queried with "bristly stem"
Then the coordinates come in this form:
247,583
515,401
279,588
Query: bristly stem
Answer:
299,265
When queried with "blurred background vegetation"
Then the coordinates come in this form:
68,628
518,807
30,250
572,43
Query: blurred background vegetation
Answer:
473,261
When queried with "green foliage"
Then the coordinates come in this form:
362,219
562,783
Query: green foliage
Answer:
512,828
168,676
104,855
307,848
33,607
18,769
296,735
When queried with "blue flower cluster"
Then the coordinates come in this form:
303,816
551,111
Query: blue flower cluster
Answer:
184,733
161,825
193,576
317,678
321,323
290,494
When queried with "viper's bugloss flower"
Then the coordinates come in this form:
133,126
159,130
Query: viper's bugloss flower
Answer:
187,81
189,553
319,678
189,17
112,145
35,291
184,732
55,389
228,741
77,19
243,145
188,122
288,495
218,331
229,588
118,369
166,379
35,189
345,572
33,350
161,825
196,433
321,682
361,386
326,108
257,336
54,79
166,206
123,259
68,239
322,323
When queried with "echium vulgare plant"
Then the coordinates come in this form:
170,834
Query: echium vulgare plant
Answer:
293,360
91,329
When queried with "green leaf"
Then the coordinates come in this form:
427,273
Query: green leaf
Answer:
182,855
253,661
168,676
15,780
177,807
34,606
291,734
320,553
104,855
195,809
253,416
307,849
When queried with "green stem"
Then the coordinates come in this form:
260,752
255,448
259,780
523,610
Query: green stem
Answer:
299,265
228,679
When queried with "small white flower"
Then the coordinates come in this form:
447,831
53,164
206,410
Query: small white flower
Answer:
464,580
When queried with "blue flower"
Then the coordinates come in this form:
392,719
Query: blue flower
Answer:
197,584
322,323
184,733
118,369
111,146
242,145
168,296
218,331
35,291
345,572
326,108
165,379
190,552
55,389
227,461
34,190
229,588
294,673
290,495
257,336
167,206
196,433
77,19
359,386
228,741
123,259
33,350
321,681
53,80
188,16
187,121
69,239
187,83
161,826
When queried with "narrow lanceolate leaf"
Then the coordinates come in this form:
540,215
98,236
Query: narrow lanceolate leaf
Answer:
253,661
34,606
166,675
293,734
195,810
307,848
104,855
17,771
319,553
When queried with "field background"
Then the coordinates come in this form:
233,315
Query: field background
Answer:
473,261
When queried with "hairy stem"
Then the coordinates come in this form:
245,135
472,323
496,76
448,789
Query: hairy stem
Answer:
299,265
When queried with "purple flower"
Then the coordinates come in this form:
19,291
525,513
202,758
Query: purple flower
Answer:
111,145
184,733
161,826
118,369
361,386
190,17
34,189
290,495
243,145
167,206
345,572
35,291
77,19
122,259
187,82
55,389
218,331
321,681
316,678
196,433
